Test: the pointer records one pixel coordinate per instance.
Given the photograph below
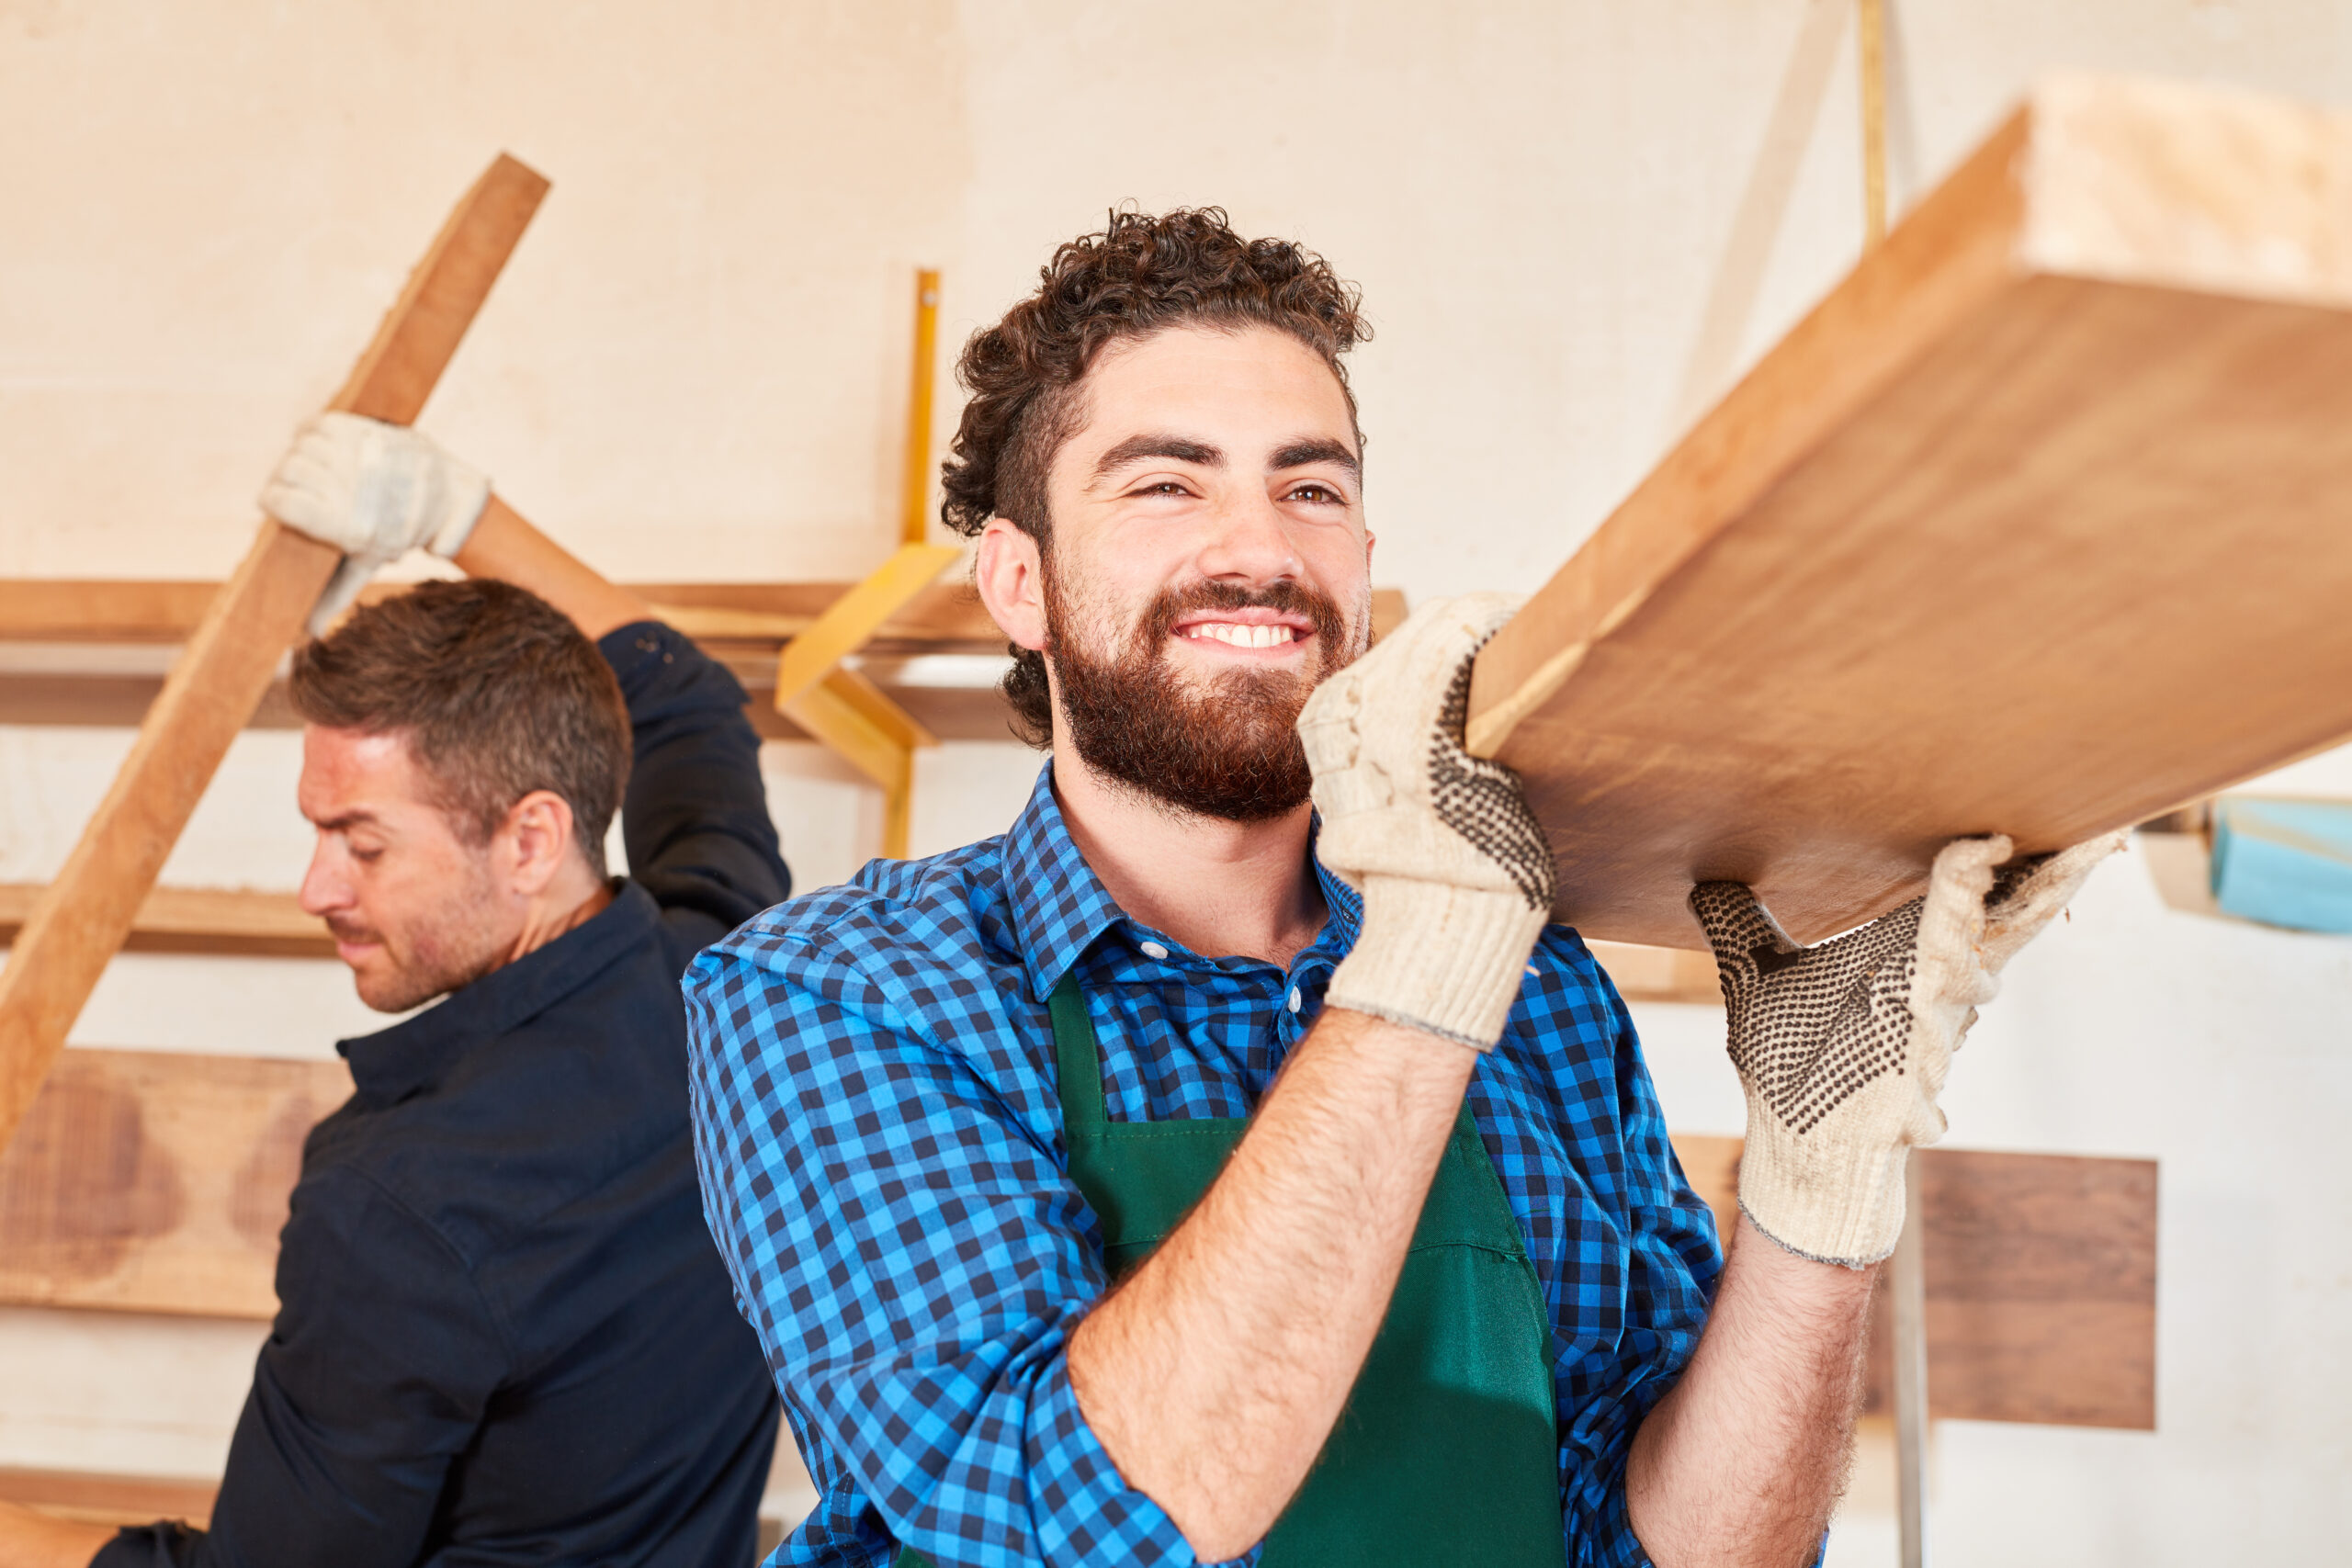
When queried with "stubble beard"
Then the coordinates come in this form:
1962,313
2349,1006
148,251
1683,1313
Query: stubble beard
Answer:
453,945
1228,749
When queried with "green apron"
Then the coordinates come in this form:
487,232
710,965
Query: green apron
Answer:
1448,1450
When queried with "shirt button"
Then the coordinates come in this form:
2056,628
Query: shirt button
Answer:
1153,950
1293,999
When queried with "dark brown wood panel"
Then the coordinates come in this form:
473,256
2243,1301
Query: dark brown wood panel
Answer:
2040,1282
153,1182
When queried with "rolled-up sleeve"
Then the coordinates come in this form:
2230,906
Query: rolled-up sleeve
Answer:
1638,1260
913,1259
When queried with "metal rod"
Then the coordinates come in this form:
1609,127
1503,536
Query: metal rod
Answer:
1906,1278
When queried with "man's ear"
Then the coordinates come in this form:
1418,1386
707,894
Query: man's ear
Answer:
1010,575
538,830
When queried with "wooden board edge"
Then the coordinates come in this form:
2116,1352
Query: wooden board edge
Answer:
419,334
1945,260
220,677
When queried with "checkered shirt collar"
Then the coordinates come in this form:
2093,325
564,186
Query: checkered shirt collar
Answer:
1059,906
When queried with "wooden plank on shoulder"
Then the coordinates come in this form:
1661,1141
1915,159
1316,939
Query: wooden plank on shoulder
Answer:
226,667
2033,525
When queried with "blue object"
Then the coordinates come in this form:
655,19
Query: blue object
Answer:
883,1158
2284,863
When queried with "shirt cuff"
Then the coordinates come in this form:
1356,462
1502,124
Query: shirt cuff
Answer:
662,671
1086,1512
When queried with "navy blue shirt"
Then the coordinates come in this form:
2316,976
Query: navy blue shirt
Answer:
503,1335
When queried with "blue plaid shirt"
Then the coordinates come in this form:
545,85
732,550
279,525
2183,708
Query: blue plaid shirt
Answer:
883,1169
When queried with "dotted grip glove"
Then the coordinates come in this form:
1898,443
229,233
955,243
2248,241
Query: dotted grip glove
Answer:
375,491
1454,871
1842,1047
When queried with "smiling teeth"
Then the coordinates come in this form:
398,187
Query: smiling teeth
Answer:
1243,635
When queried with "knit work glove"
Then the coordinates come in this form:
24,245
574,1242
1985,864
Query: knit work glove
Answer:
1842,1047
1454,871
375,491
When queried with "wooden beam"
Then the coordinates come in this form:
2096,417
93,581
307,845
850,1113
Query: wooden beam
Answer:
946,617
153,1182
845,710
111,1499
874,735
2032,525
227,664
852,620
2041,1283
200,920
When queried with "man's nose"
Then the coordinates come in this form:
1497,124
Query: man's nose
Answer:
324,887
1251,541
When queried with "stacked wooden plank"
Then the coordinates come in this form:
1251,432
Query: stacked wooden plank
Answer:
2041,1283
2036,524
69,647
153,1182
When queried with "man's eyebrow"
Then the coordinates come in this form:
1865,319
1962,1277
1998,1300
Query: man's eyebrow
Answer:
347,820
1315,449
1178,448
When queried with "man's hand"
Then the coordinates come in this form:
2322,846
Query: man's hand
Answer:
1456,873
375,491
1843,1047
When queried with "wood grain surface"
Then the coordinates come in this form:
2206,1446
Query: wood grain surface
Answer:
1660,974
227,665
2035,526
111,1499
2041,1283
200,920
154,1181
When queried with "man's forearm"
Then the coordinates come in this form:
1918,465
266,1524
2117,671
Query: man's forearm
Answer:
1742,1462
32,1540
505,546
1214,1375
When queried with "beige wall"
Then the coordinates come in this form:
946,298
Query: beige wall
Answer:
1573,223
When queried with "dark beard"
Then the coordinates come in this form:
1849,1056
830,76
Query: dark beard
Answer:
1230,752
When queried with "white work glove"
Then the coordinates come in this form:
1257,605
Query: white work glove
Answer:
1842,1047
375,491
1454,871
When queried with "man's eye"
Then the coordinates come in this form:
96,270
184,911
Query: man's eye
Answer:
1162,487
367,856
1321,494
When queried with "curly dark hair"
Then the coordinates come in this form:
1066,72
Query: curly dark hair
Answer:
1141,274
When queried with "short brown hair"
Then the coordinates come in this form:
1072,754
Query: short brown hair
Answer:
1140,275
498,694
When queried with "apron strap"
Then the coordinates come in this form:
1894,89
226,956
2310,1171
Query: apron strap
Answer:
1079,1060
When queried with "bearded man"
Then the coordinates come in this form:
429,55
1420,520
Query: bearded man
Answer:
503,1334
1191,1173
